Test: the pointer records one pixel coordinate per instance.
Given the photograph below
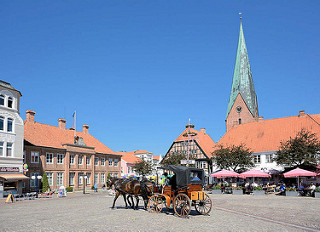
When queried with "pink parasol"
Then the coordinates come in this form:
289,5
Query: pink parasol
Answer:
298,172
224,173
254,173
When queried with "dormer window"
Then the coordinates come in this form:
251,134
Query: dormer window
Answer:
1,100
10,102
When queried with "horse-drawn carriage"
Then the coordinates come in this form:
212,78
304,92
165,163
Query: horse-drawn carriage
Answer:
183,194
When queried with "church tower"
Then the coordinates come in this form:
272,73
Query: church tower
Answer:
243,105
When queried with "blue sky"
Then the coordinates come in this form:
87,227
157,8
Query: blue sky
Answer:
137,70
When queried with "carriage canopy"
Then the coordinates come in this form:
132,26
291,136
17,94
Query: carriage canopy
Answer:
186,175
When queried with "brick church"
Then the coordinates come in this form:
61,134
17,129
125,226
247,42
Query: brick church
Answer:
244,126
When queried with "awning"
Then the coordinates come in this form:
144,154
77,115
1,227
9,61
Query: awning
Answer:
13,177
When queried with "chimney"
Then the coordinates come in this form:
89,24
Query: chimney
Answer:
85,129
203,130
62,123
302,113
260,119
30,116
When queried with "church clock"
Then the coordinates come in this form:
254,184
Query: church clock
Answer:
239,108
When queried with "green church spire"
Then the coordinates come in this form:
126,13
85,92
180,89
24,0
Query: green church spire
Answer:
242,79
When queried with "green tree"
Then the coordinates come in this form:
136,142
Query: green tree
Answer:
304,149
143,167
233,157
109,176
175,158
45,182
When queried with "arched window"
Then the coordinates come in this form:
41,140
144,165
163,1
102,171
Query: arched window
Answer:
1,100
1,123
10,125
239,121
10,102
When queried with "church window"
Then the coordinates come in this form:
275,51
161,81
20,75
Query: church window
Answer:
239,121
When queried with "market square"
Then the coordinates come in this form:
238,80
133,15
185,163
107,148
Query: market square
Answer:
150,116
92,212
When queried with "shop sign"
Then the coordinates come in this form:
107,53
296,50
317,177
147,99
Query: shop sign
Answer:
9,169
187,161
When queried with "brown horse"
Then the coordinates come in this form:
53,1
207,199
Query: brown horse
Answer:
132,188
140,188
118,184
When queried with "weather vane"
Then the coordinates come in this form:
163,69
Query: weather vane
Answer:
240,15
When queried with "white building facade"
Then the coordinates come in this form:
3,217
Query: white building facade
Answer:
11,140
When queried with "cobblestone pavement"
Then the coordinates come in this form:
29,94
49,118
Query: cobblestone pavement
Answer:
91,212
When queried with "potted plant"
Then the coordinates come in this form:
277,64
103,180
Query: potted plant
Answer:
317,192
69,189
291,192
258,190
237,190
216,189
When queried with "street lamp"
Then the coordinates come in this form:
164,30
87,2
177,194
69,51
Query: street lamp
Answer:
37,178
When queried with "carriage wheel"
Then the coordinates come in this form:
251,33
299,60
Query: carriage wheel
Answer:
204,207
155,204
182,205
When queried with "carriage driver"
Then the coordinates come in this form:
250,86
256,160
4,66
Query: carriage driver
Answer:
164,181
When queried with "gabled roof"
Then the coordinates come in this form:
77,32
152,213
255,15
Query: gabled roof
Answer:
266,135
242,78
128,157
203,139
139,152
44,135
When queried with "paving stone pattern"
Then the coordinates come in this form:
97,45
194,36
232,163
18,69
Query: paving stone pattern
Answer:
92,212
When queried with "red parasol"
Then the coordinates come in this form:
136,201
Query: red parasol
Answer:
254,173
224,173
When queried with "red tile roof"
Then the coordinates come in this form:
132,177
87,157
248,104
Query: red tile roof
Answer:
156,157
128,157
45,135
203,139
139,152
267,134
